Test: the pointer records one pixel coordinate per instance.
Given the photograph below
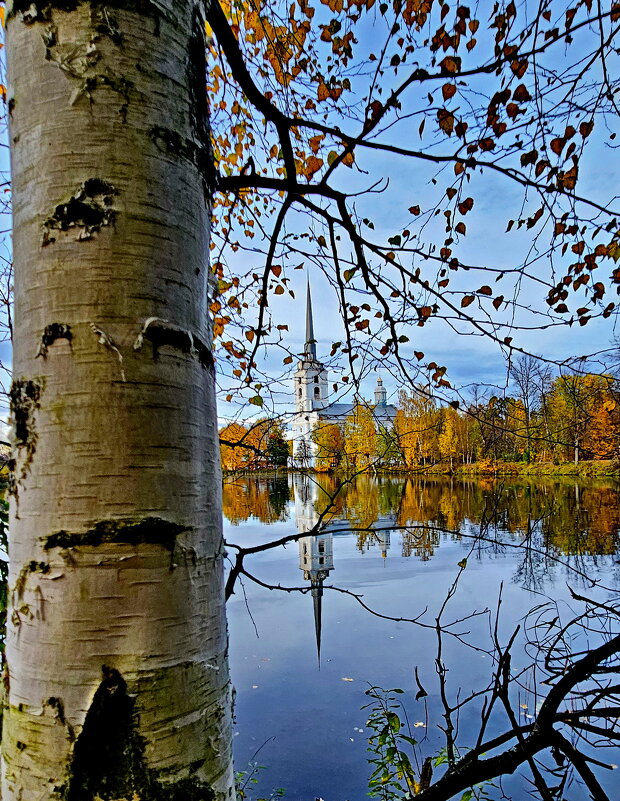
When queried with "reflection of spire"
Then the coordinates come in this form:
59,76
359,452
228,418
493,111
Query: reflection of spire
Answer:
316,559
310,347
317,598
316,551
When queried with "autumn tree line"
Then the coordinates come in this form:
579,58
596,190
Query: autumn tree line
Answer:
544,418
570,417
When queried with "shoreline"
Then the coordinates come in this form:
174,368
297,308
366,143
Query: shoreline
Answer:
602,468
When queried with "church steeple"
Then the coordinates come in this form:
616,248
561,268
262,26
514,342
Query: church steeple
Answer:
310,346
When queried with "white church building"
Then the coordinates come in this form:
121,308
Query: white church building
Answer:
312,401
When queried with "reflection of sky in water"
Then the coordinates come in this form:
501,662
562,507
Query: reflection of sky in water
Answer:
313,715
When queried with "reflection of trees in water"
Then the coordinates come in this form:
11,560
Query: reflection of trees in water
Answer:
279,496
568,647
552,517
420,542
265,498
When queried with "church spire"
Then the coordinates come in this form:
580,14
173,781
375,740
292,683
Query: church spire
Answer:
310,346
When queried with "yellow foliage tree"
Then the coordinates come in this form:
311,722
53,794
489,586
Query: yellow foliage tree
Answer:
416,425
360,438
233,455
330,445
448,441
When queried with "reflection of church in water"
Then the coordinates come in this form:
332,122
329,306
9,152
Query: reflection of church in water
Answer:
316,551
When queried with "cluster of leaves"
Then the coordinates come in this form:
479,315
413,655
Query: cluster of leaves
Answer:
246,779
393,775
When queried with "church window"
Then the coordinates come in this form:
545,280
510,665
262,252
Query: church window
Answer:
300,392
321,560
317,392
299,380
321,546
316,379
305,548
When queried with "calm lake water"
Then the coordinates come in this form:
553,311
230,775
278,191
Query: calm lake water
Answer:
397,543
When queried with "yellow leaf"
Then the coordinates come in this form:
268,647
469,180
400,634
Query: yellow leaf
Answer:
313,165
315,142
448,90
322,92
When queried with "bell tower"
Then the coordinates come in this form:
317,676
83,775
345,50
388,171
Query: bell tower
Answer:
380,394
310,379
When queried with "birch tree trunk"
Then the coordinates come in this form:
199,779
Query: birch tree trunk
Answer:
117,684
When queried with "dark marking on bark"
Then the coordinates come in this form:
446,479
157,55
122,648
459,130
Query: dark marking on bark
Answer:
27,569
198,104
50,39
88,210
160,332
117,83
59,708
12,487
31,11
150,530
197,153
109,754
80,60
104,23
51,333
20,746
24,396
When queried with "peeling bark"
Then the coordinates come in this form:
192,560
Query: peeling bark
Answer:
88,210
116,555
51,334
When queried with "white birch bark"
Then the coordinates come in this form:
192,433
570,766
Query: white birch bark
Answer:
117,682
